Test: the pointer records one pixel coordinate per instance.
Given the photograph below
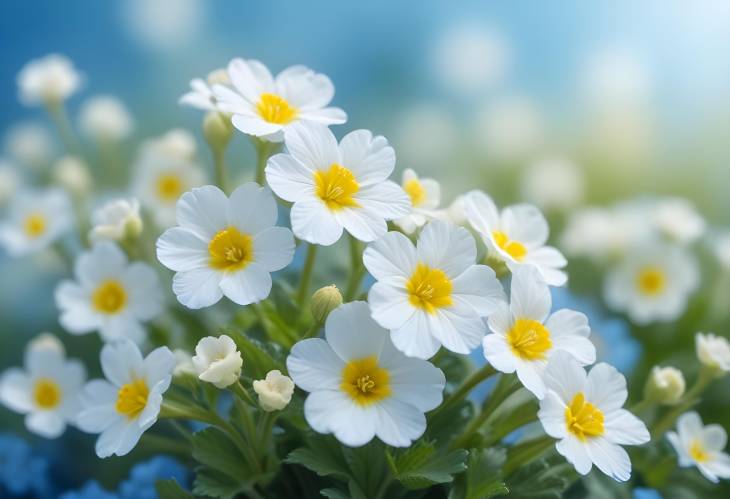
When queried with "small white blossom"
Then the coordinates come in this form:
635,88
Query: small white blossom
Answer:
116,220
105,118
665,385
713,351
217,360
30,144
48,80
274,391
701,446
72,173
554,183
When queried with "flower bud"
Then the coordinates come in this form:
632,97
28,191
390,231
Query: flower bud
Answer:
72,174
274,391
665,385
218,361
219,77
324,301
118,220
713,352
46,341
217,129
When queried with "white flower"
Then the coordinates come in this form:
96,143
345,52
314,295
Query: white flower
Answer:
665,385
9,182
48,80
225,246
432,294
274,391
72,173
526,335
360,385
201,95
554,183
517,236
116,220
720,245
335,186
677,219
701,446
126,403
217,360
30,144
713,351
264,106
584,412
176,143
455,213
425,197
110,295
653,283
105,118
47,390
36,219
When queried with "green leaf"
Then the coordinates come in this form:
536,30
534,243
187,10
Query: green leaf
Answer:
422,466
213,483
170,489
214,449
367,468
333,493
449,423
323,455
544,479
483,477
259,358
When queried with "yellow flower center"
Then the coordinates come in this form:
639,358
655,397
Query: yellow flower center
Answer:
529,339
275,109
415,190
336,187
651,281
46,393
169,187
698,452
132,398
365,382
583,419
110,297
230,250
429,289
35,225
515,249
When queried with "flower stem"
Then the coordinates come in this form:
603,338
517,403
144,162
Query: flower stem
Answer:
690,398
58,115
357,270
469,383
264,150
525,452
238,389
221,176
312,331
303,291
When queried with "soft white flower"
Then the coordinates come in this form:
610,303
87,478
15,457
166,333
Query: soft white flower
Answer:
225,246
116,220
9,182
677,219
425,194
517,235
217,360
584,412
720,245
274,391
653,283
47,389
105,118
264,106
360,385
126,403
455,213
201,94
30,144
72,173
554,183
431,294
48,80
110,295
665,385
176,143
337,186
526,335
701,446
36,219
713,351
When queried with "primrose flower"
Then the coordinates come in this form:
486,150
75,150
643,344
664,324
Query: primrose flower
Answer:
517,235
337,186
49,80
110,295
105,118
713,352
360,385
431,294
665,385
584,412
72,173
217,360
526,335
274,391
30,144
425,196
264,106
701,446
116,220
125,404
225,246
36,219
201,94
47,389
653,283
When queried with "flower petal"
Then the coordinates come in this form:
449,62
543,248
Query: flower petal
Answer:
273,248
391,259
314,223
313,365
445,246
249,285
370,158
203,210
198,288
289,178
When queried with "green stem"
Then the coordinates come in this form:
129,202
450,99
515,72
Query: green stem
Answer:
303,291
161,444
221,176
525,452
312,331
357,271
690,398
468,384
57,111
641,406
264,150
241,392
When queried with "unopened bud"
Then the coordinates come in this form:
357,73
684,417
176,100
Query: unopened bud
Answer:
713,352
324,301
217,129
274,391
72,174
665,385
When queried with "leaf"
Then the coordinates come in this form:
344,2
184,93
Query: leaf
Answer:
483,477
544,479
422,466
323,456
449,423
368,468
213,483
333,493
170,489
258,359
214,449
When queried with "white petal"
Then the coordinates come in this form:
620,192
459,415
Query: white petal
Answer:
273,248
548,261
714,437
121,361
479,288
122,327
683,456
325,116
252,208
158,366
458,328
98,399
624,428
391,259
530,297
331,411
500,321
203,210
104,260
198,288
414,338
362,223
526,224
390,306
313,365
77,317
399,423
145,294
576,453
413,381
445,246
314,223
119,439
15,389
606,388
719,465
498,353
249,285
552,415
148,416
689,425
569,332
303,88
352,333
387,199
46,424
370,158
289,178
609,458
530,375
314,146
181,249
255,125
250,77
565,376
481,212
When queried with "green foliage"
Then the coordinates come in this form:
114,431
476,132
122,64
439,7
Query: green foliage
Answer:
223,472
544,479
483,476
170,489
261,357
422,465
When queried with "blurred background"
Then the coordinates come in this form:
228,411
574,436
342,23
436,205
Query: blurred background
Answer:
619,99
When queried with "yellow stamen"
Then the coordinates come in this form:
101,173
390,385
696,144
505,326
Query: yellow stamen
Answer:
651,281
515,249
698,452
415,190
365,382
110,297
169,187
230,250
583,419
529,339
35,225
429,288
275,109
46,393
336,187
132,398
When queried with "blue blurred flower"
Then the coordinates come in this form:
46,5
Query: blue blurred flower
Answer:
21,470
142,478
645,493
90,490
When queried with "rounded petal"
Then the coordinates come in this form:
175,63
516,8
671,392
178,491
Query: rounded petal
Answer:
689,425
390,306
609,458
252,208
445,246
198,288
312,222
387,199
255,125
498,353
414,338
391,259
313,365
458,328
530,375
325,116
145,294
399,423
120,361
352,333
530,296
273,248
289,178
332,411
719,467
250,77
565,377
370,158
122,327
304,88
525,223
48,424
548,261
203,210
313,145
15,389
248,285
158,366
501,321
576,453
606,388
481,212
362,223
98,398
479,288
624,428
181,249
413,381
119,439
77,317
552,415
714,436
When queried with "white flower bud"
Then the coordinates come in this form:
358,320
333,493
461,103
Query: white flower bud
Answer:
713,352
176,143
665,385
217,129
49,80
274,391
117,220
105,118
45,341
72,174
217,361
324,301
